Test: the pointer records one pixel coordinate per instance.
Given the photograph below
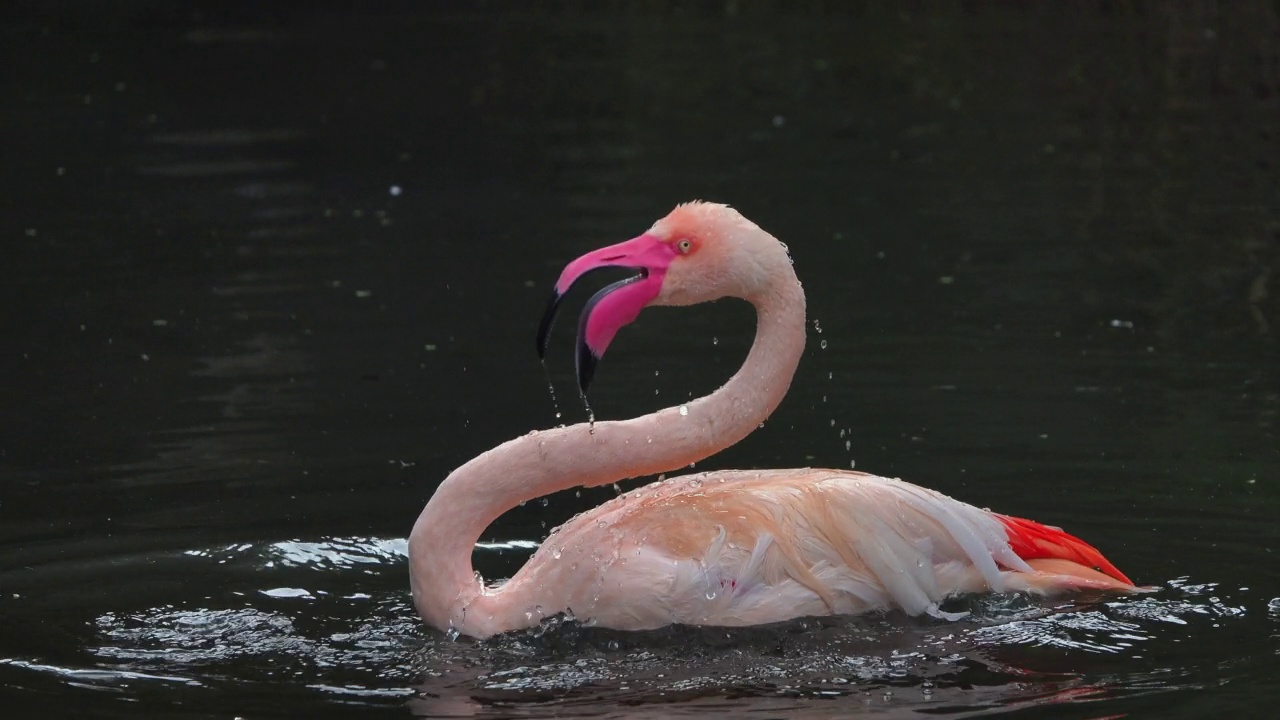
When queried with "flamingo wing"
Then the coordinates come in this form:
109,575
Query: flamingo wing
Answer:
742,548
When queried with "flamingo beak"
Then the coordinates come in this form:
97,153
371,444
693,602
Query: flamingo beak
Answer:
613,306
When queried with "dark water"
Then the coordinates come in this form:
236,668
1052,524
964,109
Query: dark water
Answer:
272,270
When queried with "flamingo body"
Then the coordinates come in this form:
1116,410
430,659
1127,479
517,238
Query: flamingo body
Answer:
736,548
725,548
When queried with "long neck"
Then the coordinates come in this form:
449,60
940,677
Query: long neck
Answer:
547,461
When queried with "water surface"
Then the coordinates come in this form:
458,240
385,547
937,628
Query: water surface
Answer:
270,274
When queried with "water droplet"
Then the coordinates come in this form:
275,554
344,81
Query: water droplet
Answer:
848,445
823,344
830,375
817,328
1274,606
617,489
684,410
556,552
711,594
613,645
842,432
662,477
853,464
715,340
557,414
538,609
577,493
695,483
545,502
452,633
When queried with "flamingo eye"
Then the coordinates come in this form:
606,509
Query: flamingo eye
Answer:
685,246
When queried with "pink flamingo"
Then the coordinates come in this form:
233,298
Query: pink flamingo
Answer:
736,547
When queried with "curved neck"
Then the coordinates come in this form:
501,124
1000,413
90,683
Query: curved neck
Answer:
547,461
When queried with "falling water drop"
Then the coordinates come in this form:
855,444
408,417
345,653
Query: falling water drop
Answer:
617,489
545,502
715,340
848,445
684,410
551,388
816,327
853,464
823,344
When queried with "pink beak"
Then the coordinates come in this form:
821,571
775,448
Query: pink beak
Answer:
615,305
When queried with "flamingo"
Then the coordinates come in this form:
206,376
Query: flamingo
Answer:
724,548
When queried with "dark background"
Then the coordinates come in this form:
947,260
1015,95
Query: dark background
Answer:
270,271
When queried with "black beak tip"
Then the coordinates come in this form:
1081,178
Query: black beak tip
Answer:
548,320
586,366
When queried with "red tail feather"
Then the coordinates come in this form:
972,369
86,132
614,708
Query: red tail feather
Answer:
1031,540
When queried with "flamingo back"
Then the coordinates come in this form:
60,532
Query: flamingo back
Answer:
748,547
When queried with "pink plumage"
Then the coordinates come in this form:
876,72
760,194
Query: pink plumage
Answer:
722,548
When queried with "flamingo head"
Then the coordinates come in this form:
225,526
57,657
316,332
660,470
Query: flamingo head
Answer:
699,252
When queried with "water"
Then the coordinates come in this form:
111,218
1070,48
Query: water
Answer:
1043,243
